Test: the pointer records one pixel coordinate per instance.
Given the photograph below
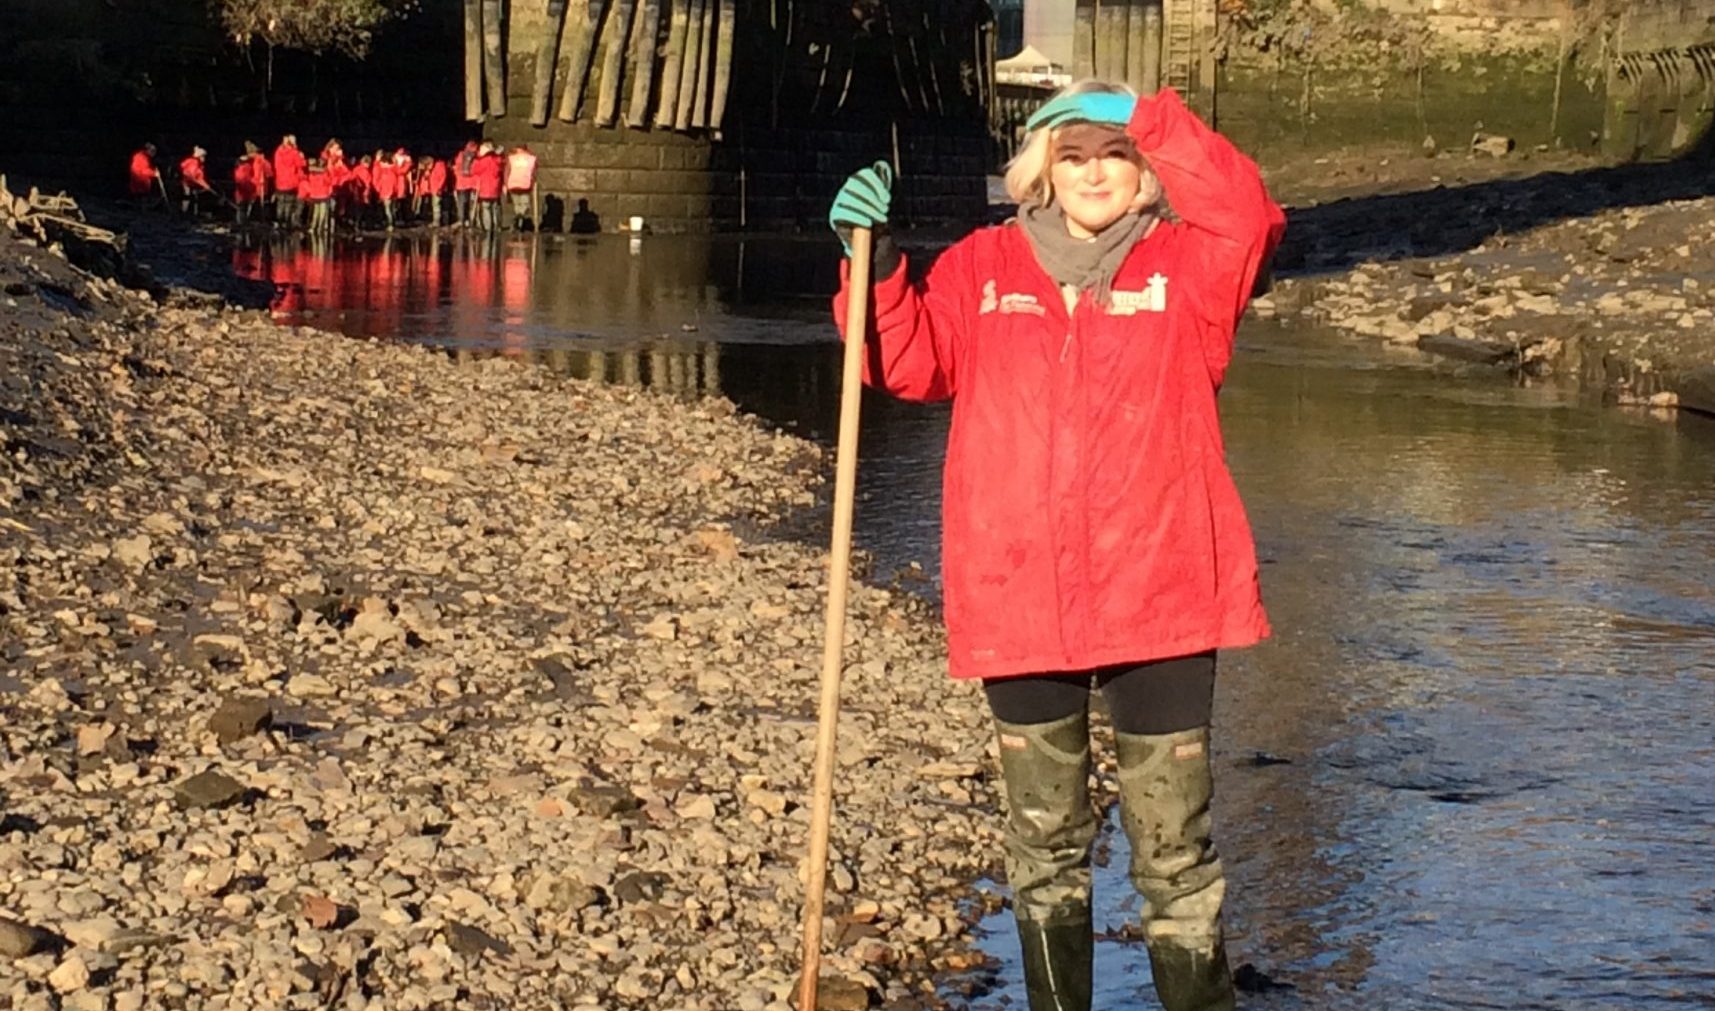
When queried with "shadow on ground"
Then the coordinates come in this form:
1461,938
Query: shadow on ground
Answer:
1444,220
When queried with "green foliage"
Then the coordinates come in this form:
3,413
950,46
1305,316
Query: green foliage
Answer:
317,26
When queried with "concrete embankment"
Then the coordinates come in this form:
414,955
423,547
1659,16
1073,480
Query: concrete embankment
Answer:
341,674
1602,278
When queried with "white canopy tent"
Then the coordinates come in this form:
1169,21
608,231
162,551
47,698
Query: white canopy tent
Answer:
1029,66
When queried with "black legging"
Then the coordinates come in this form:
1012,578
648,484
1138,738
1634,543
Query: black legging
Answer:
1159,697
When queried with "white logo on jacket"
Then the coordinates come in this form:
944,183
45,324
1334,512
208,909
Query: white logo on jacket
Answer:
1011,302
1153,298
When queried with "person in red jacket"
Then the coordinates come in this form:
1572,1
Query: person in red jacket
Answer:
193,182
317,189
250,182
144,177
387,182
359,192
488,172
521,185
289,168
1092,534
431,184
464,183
339,172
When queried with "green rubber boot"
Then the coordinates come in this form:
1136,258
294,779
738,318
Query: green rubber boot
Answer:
1165,790
1049,828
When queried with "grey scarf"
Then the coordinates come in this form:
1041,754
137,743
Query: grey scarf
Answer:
1082,263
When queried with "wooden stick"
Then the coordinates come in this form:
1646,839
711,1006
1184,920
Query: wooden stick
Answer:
473,60
614,35
678,23
643,41
585,16
494,57
547,56
536,209
833,644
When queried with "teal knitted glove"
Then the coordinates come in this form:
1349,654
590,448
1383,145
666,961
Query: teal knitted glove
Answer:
1089,107
862,202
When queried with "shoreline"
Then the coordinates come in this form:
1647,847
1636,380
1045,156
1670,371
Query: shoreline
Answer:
1602,280
340,668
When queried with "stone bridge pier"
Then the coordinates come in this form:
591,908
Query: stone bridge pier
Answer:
703,114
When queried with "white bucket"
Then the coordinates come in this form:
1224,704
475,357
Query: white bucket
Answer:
636,223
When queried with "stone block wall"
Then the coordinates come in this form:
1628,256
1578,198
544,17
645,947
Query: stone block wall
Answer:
748,178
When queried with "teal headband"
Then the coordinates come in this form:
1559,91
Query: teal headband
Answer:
1089,107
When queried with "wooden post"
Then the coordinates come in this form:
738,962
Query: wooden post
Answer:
494,56
1084,39
1149,82
691,68
643,40
705,74
727,23
547,56
473,60
585,16
1137,16
1110,39
678,24
614,35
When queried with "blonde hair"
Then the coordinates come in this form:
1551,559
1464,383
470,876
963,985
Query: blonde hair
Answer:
1028,174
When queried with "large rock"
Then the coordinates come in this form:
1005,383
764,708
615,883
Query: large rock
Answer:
1466,349
208,789
1697,390
238,718
21,940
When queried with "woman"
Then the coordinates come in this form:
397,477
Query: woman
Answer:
1091,531
250,181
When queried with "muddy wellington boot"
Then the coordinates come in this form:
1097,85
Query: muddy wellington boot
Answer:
1165,790
1049,829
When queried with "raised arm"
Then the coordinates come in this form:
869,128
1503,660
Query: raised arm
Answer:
1219,192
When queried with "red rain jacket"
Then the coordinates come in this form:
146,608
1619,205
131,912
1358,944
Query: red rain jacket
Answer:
317,185
487,171
463,179
250,178
142,173
433,181
360,183
191,173
385,178
520,171
288,168
1088,517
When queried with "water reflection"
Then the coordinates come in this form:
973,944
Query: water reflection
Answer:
745,319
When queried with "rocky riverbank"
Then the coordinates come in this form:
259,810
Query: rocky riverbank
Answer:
1602,277
339,674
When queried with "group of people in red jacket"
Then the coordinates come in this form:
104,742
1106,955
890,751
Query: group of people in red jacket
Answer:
386,188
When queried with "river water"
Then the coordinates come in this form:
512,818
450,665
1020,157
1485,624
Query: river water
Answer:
1474,768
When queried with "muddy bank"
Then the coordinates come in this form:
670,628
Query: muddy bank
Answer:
1601,278
341,674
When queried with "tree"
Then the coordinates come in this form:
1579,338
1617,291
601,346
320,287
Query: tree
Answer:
316,26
